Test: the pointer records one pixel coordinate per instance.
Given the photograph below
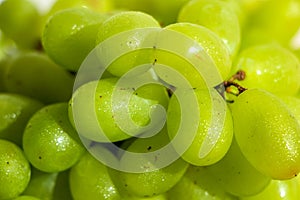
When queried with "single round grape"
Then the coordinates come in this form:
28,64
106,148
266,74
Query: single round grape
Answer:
236,175
216,15
278,190
270,67
197,184
70,34
125,21
267,133
15,111
89,179
98,97
153,181
49,133
14,170
209,102
259,30
156,8
210,42
19,20
33,74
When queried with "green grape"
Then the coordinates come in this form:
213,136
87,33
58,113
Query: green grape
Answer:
70,34
150,180
14,170
197,184
278,190
293,103
15,111
287,20
35,75
210,42
41,184
217,16
19,20
267,133
49,133
236,175
89,180
210,105
26,197
270,67
156,8
124,21
105,99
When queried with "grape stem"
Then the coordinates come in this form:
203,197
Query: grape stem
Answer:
231,87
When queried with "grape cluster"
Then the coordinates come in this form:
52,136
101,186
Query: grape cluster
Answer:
150,100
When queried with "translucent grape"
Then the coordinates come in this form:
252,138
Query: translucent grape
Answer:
89,179
210,42
124,21
70,34
33,74
97,97
49,133
217,16
264,126
19,20
259,30
270,67
153,180
14,170
15,111
236,175
213,109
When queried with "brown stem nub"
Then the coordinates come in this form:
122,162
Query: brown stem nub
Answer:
239,75
227,85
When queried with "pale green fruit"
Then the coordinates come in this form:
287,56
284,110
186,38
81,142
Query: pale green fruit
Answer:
49,133
236,175
104,103
267,133
14,170
214,132
15,111
35,75
70,34
270,67
151,179
19,20
212,45
89,180
216,15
